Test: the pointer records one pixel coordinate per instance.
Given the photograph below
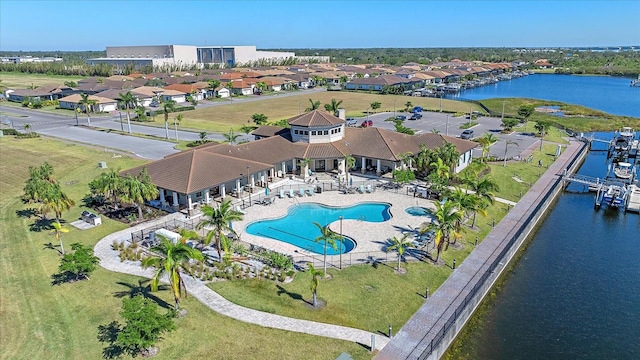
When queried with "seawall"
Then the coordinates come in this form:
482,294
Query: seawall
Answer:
430,331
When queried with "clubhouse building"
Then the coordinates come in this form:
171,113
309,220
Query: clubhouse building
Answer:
316,142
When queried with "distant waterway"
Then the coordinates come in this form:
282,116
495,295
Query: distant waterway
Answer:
610,94
575,291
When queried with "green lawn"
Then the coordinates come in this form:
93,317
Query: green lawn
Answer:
41,321
221,118
577,118
23,80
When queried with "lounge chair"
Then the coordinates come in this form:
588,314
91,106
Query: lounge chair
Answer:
301,192
291,193
281,193
239,209
310,191
369,188
361,189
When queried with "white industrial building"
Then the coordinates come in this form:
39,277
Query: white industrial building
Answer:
185,55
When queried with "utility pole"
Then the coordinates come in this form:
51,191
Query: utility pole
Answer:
447,132
502,118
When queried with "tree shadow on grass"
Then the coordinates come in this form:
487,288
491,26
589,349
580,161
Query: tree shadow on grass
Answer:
142,289
109,334
64,277
294,296
27,213
51,246
42,225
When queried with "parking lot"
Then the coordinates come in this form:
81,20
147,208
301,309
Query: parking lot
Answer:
449,125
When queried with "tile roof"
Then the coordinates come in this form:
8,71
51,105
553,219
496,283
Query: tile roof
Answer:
315,118
267,130
75,98
148,90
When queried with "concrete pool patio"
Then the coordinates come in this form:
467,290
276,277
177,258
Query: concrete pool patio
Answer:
369,236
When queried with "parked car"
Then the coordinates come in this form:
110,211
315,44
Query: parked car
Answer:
415,116
367,123
416,109
401,117
154,104
467,134
351,122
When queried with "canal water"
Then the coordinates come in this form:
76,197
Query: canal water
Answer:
575,291
613,95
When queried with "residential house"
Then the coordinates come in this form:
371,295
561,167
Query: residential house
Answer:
241,87
195,91
543,64
302,80
175,95
22,94
72,102
377,83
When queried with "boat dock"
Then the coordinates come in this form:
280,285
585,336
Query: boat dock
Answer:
634,199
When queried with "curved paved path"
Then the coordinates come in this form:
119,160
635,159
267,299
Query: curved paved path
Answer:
109,260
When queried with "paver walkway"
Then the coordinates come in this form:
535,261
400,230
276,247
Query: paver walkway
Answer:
109,260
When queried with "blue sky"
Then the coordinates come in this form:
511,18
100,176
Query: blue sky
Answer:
93,25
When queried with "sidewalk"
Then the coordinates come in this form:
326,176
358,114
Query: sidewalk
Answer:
109,260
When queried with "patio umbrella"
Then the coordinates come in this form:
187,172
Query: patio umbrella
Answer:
350,181
266,191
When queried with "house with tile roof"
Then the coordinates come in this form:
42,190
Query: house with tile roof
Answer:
212,171
72,102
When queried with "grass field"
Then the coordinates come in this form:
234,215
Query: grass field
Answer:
23,80
578,118
221,118
41,321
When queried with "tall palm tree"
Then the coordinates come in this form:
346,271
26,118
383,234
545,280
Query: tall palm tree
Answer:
399,246
315,282
138,189
349,162
176,121
219,220
424,158
57,230
304,167
171,259
328,237
27,127
506,149
445,224
168,106
129,101
440,169
314,105
449,155
333,106
87,104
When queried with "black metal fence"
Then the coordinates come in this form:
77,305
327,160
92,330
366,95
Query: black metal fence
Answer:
171,225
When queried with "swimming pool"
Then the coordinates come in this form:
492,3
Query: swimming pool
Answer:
297,228
417,211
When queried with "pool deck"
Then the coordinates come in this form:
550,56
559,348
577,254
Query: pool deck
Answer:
369,236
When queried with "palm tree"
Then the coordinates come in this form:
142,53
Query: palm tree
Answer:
57,230
424,158
449,155
87,104
138,189
506,148
130,101
168,106
440,169
400,246
304,167
108,184
349,162
484,187
230,137
176,122
219,220
57,201
445,224
27,127
333,106
171,259
315,281
486,141
328,237
314,105
541,127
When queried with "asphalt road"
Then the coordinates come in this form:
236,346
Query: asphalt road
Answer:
65,128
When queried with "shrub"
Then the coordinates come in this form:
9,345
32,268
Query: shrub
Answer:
177,109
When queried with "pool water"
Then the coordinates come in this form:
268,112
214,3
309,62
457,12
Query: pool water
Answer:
297,228
417,211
